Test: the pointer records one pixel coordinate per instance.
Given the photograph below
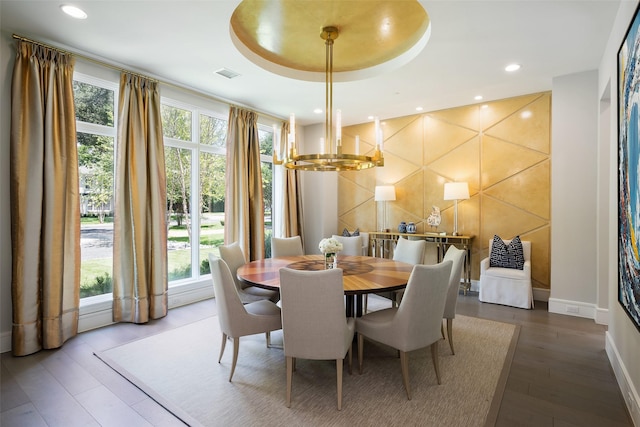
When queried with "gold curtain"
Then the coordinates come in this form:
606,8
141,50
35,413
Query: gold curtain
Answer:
292,216
140,232
244,206
45,201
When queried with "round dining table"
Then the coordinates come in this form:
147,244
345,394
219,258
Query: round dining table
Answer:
361,274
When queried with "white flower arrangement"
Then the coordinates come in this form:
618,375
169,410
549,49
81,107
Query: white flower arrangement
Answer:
330,246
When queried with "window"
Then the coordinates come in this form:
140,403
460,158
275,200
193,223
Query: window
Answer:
95,103
195,164
265,134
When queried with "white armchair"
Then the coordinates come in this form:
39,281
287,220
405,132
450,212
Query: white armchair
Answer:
507,286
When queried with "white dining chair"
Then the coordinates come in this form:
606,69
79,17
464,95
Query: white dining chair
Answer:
416,323
314,321
286,246
457,256
237,319
234,257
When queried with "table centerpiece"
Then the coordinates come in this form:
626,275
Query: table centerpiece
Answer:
330,248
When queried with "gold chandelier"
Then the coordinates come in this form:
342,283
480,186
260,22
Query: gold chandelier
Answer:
332,158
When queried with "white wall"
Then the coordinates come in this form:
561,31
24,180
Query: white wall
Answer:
320,195
573,194
623,339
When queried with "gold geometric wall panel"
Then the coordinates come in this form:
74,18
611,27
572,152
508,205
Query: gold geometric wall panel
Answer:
395,169
466,117
497,111
528,190
442,137
355,196
502,151
364,217
540,256
501,160
505,220
460,164
410,195
406,142
526,126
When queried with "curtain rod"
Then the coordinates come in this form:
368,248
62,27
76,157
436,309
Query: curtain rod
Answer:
86,58
113,67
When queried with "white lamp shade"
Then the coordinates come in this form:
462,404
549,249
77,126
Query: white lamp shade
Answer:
456,191
384,193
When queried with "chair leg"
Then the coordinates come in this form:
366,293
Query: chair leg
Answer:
290,362
404,364
236,347
442,329
350,356
224,343
436,364
365,303
268,334
339,363
360,352
450,334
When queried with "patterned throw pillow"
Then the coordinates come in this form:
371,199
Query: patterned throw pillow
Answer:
345,233
506,256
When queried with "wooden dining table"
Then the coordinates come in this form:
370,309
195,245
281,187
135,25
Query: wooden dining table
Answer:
361,274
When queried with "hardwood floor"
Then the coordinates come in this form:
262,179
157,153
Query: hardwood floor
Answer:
560,375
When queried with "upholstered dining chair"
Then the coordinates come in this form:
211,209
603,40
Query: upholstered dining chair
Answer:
350,245
238,319
286,246
411,252
234,257
314,323
416,323
457,256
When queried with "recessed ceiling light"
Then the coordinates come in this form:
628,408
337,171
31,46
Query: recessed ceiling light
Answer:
478,97
318,111
512,67
74,12
370,118
418,108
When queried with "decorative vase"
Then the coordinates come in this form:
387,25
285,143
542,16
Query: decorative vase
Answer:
402,228
411,228
330,260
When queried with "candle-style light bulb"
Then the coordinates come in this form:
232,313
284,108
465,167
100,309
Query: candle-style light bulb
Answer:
338,128
357,145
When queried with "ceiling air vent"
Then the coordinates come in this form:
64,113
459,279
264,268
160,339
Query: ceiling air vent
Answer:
225,72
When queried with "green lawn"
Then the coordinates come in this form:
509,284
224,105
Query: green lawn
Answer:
179,260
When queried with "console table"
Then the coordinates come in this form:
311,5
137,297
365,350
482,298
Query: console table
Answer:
382,244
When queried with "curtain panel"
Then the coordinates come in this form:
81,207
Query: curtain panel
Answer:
45,200
292,217
244,205
140,278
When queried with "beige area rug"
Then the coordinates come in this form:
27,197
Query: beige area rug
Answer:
179,370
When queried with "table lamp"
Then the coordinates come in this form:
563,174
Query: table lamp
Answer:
456,191
384,193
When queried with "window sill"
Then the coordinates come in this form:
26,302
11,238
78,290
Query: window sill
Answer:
97,311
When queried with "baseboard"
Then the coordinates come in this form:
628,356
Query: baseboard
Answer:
5,342
627,388
98,312
572,308
602,316
540,294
